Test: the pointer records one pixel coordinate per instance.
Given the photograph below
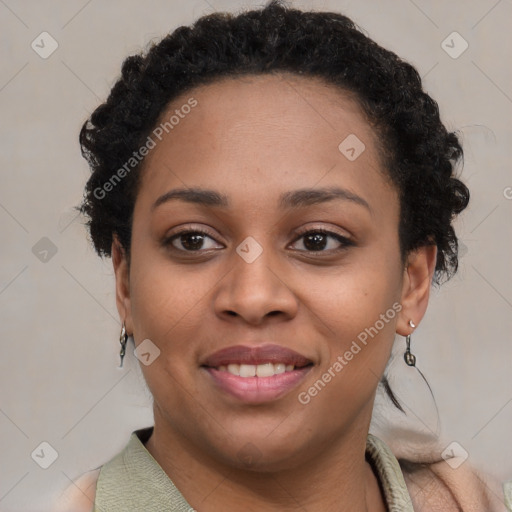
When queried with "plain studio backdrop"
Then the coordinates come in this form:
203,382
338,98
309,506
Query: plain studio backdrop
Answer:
59,328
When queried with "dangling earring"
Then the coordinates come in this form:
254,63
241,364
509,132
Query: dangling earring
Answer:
123,338
409,358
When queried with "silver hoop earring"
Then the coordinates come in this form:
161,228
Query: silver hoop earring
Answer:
409,358
123,338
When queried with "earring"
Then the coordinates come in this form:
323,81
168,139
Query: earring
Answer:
123,338
409,358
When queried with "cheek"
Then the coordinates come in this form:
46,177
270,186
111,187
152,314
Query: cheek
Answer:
357,313
353,360
165,299
361,335
168,308
351,298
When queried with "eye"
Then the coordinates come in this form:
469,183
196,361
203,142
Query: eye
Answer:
189,240
316,240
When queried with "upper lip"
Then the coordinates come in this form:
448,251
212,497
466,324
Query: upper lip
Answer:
242,354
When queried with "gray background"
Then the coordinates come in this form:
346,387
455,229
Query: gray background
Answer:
59,327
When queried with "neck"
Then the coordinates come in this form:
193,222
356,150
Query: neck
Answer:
339,479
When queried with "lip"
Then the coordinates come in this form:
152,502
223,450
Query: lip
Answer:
242,354
256,390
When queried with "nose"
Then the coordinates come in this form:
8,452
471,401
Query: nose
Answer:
254,290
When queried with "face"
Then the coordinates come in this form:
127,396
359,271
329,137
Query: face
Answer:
283,266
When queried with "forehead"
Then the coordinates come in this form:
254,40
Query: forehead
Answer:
257,134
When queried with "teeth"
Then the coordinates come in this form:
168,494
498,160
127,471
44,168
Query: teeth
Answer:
265,370
234,369
247,370
260,370
280,368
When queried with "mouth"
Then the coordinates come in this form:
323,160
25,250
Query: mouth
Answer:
256,374
252,370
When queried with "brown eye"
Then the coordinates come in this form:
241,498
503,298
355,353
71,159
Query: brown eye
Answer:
189,241
317,240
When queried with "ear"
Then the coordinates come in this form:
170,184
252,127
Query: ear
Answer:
417,281
122,275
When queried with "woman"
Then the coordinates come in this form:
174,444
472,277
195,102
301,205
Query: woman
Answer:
276,192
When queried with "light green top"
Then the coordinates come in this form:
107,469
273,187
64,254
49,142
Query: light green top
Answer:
134,482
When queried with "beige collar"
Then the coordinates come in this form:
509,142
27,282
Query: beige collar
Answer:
134,481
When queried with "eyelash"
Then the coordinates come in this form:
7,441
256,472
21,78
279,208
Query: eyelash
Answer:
345,242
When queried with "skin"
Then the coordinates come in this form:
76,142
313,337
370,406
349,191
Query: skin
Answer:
253,139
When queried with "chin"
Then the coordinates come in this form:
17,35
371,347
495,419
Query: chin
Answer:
260,451
264,459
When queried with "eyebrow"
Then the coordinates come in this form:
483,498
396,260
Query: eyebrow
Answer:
288,200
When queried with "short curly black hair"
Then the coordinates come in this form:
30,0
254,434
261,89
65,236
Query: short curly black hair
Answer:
419,154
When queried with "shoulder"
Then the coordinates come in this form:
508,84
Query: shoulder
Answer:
439,487
79,495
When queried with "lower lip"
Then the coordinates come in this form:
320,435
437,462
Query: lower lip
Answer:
257,390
